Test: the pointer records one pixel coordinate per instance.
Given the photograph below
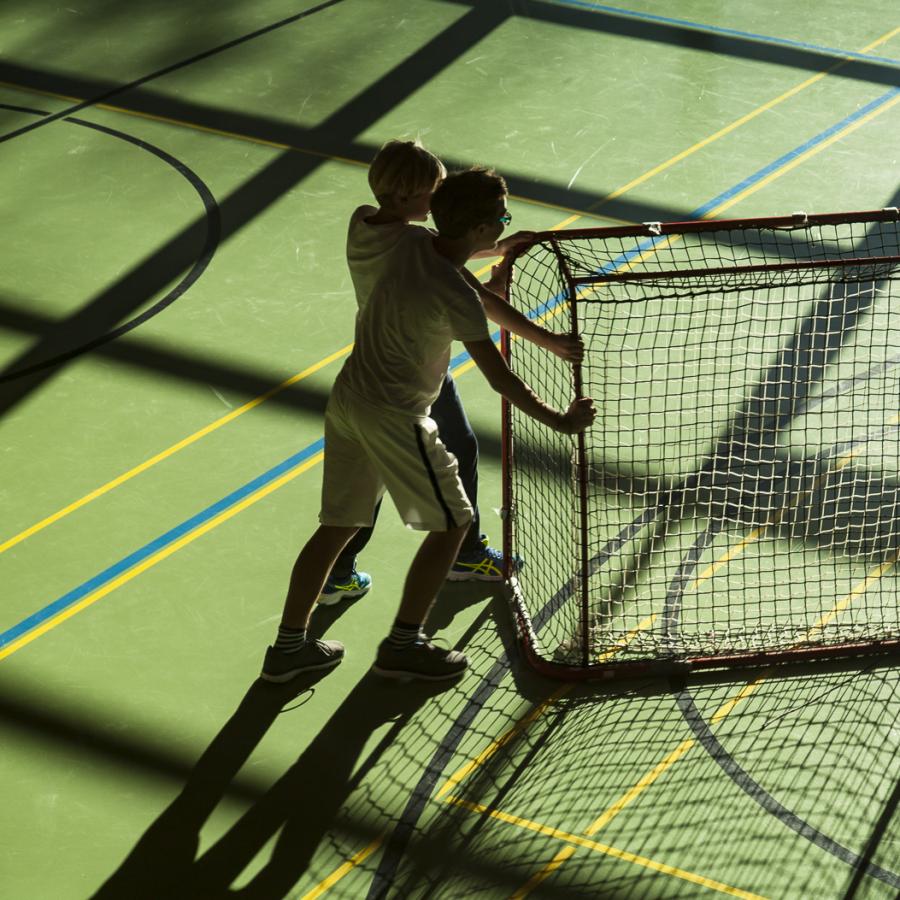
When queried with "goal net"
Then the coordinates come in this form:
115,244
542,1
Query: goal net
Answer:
737,499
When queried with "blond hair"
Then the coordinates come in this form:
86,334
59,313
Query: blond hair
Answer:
402,169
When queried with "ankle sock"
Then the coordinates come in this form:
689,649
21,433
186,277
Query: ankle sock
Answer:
290,640
403,634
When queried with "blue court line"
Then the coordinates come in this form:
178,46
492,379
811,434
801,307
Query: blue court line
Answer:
133,559
648,243
797,151
731,32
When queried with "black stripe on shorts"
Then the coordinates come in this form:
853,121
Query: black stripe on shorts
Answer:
434,482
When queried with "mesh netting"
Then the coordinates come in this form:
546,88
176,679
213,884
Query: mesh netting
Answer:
740,483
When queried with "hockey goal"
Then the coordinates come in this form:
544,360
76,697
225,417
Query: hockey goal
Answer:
738,498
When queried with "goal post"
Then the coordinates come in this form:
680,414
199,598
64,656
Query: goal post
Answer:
737,500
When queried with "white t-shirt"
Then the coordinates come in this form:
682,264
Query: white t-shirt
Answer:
413,303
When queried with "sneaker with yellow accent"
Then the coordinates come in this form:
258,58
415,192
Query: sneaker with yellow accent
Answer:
335,590
487,565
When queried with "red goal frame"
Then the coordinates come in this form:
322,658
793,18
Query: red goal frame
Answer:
588,669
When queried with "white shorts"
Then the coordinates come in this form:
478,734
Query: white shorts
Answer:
369,450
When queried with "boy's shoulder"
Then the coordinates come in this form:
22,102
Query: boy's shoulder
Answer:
363,232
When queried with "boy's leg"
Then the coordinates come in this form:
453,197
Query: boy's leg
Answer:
310,571
476,560
421,477
345,582
459,438
292,653
427,573
406,652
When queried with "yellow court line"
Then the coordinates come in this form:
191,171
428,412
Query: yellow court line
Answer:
467,768
165,552
264,142
190,439
343,870
159,556
646,176
874,575
679,752
670,759
735,551
743,120
579,841
168,120
633,793
616,193
170,451
543,874
213,523
727,204
730,704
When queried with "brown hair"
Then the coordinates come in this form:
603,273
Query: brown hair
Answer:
465,200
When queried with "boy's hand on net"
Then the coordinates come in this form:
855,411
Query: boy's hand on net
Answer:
514,241
566,347
579,416
499,274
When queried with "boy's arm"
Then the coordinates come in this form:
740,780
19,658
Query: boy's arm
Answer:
506,245
493,366
499,311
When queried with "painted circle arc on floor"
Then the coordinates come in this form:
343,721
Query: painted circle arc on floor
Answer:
213,224
395,846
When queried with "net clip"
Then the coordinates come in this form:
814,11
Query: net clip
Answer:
800,219
654,228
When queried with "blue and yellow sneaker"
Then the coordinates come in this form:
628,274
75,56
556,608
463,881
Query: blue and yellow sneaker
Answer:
486,565
357,584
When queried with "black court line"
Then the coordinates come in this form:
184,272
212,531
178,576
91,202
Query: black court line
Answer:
24,109
275,179
30,362
100,98
403,831
401,835
878,833
154,356
799,366
671,33
318,142
705,737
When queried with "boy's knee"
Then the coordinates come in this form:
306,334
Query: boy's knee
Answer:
460,529
452,532
336,534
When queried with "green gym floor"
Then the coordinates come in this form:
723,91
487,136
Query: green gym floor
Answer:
174,305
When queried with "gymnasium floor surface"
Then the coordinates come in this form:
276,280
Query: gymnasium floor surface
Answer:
174,305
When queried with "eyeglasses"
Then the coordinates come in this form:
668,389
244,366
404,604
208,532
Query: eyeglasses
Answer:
506,218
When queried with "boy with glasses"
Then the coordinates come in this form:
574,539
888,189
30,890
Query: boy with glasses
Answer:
379,435
403,176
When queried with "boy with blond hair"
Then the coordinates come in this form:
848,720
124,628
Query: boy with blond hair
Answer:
403,177
414,301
